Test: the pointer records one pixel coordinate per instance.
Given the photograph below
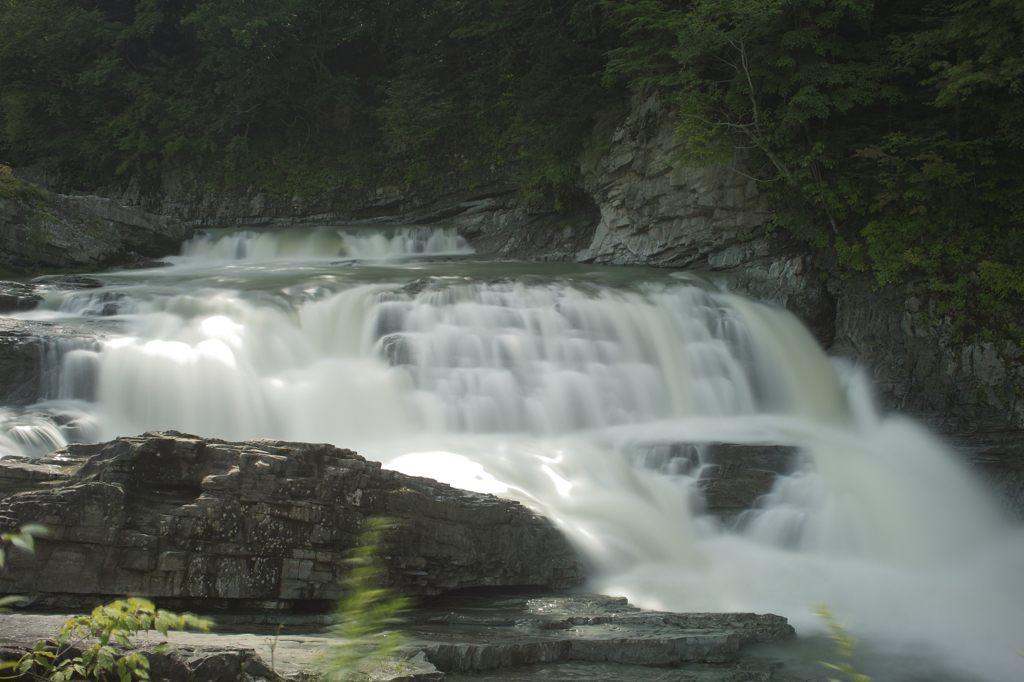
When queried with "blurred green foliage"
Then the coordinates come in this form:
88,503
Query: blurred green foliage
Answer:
364,632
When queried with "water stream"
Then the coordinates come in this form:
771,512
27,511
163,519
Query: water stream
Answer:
566,387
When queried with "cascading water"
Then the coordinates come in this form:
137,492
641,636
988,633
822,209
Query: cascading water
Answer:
324,243
576,390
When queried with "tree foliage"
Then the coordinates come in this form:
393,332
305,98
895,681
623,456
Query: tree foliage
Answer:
887,131
297,95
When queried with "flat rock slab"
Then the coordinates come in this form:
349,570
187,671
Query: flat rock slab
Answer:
471,635
577,637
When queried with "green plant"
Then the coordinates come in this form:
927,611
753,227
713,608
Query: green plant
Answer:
95,636
846,646
366,617
115,623
25,539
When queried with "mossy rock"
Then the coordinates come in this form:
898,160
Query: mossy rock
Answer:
13,188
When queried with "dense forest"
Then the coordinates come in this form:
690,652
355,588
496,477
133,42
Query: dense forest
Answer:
890,132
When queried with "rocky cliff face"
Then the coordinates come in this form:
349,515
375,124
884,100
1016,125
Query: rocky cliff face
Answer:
82,232
655,212
266,524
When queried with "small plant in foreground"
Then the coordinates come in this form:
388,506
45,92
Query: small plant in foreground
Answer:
95,636
25,539
846,645
365,618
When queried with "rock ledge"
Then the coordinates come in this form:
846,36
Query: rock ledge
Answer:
209,525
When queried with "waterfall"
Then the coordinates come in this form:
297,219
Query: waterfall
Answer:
589,394
324,242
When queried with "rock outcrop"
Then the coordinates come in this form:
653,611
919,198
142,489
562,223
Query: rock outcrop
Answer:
203,522
74,231
654,212
522,631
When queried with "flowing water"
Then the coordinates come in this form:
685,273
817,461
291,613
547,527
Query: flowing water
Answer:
568,388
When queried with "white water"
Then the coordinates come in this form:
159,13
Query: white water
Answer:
563,387
324,243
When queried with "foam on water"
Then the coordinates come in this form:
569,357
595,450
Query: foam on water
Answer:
545,389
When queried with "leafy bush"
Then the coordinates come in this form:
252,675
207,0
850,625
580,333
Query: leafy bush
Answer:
95,636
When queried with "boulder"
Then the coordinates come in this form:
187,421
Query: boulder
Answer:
16,296
735,476
729,476
207,524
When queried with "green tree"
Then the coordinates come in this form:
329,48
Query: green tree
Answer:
887,131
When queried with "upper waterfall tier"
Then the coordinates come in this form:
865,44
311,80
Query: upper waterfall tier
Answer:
447,354
325,242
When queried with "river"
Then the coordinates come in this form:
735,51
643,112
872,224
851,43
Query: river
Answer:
569,388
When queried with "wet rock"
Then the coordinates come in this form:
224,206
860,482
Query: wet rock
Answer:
15,296
68,282
28,349
142,263
203,522
730,476
735,476
520,631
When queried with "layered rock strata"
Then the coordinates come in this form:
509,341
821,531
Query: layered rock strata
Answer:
520,631
265,524
73,231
